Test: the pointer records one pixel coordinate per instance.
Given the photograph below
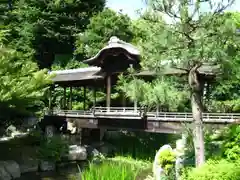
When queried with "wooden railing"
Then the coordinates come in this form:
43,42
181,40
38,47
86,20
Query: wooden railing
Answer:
129,112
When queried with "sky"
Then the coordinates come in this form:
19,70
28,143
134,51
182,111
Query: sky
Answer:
131,6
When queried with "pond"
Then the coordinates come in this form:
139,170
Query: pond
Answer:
62,173
127,169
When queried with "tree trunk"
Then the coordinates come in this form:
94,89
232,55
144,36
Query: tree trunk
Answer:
197,86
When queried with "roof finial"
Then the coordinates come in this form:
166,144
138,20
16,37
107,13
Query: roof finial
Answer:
114,39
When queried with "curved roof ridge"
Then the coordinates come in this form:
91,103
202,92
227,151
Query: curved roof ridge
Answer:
68,71
115,42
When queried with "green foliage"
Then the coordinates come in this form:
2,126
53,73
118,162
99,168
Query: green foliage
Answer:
52,149
164,94
167,160
48,27
111,170
103,26
22,83
138,145
231,146
217,170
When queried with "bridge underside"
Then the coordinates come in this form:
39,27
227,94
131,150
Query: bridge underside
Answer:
137,124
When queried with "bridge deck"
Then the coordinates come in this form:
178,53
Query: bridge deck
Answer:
131,113
137,119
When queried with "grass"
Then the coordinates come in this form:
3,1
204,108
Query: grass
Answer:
119,168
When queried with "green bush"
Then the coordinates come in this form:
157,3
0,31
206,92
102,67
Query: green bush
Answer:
52,149
231,148
214,170
167,160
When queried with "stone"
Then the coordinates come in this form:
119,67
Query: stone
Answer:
77,153
47,166
4,175
12,168
104,148
29,165
49,131
157,169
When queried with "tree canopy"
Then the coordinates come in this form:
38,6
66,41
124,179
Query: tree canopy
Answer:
104,25
22,85
48,28
192,40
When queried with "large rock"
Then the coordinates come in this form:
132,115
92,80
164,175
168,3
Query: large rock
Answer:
77,153
104,148
4,175
157,169
12,168
47,166
28,165
9,170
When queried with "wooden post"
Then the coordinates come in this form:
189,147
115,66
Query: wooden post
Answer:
50,99
94,96
70,98
135,105
108,100
123,100
84,98
64,98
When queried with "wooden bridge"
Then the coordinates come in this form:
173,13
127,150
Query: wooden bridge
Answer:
103,75
139,119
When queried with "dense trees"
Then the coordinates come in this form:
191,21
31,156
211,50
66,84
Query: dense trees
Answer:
193,40
22,85
48,27
101,27
60,34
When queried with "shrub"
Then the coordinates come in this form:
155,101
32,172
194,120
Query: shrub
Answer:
214,170
167,160
52,149
231,147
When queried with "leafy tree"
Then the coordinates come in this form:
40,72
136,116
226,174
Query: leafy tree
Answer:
22,85
104,25
195,39
48,27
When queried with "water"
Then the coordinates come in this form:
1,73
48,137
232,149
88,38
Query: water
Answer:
62,173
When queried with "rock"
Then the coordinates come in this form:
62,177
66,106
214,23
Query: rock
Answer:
4,175
29,165
47,166
12,168
104,148
92,152
157,169
94,155
77,153
49,131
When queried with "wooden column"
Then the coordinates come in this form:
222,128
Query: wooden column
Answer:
64,97
94,96
135,105
123,100
50,99
84,98
70,99
108,98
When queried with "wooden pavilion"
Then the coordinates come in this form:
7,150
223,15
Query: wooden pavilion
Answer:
103,70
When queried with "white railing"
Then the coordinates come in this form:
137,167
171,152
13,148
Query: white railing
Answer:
153,116
72,113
